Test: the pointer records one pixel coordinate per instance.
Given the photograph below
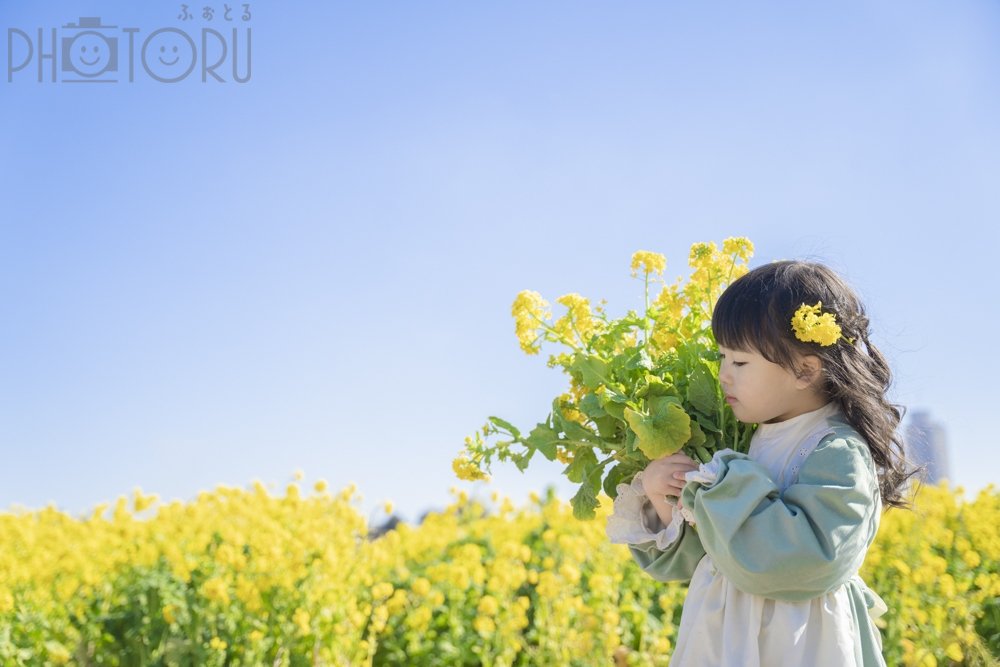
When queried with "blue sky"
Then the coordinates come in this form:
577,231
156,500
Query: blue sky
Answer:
211,283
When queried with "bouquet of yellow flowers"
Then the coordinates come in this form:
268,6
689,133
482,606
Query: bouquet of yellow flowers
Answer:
640,387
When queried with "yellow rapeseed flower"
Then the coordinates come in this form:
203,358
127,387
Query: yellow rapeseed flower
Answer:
397,602
301,620
579,322
954,651
669,304
811,325
532,575
419,619
703,255
99,511
58,654
141,502
421,586
649,262
740,246
467,470
488,606
382,589
216,590
6,602
168,613
484,626
530,310
248,594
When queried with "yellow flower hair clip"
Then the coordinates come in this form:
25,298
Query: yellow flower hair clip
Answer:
814,326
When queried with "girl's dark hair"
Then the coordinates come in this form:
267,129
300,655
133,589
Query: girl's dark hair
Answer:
755,313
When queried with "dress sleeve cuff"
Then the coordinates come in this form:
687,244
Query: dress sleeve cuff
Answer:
635,521
706,476
708,473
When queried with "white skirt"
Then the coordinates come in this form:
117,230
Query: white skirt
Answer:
721,626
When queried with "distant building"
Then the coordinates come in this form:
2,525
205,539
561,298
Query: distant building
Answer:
927,445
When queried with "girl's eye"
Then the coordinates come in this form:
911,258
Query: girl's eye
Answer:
739,363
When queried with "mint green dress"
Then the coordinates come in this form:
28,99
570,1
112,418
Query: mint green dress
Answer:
771,542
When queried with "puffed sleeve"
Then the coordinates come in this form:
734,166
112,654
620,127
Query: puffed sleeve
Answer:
794,545
666,553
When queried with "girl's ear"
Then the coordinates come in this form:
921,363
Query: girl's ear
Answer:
809,371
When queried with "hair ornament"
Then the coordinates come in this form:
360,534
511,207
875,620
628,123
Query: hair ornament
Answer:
811,325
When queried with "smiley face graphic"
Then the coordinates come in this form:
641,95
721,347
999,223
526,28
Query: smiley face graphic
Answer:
89,53
168,55
163,52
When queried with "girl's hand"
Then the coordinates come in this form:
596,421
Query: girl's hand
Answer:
665,476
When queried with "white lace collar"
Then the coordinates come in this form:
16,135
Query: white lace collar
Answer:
796,426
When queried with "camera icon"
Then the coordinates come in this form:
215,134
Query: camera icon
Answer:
89,53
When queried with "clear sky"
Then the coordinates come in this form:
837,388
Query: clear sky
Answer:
209,283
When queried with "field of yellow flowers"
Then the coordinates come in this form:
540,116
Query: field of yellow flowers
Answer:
246,577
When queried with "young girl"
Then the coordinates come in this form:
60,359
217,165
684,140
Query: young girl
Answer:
772,540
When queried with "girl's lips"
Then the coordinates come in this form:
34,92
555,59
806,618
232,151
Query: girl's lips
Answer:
730,400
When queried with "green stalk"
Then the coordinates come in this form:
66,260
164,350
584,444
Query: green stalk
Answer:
645,312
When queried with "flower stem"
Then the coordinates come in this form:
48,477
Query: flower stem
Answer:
645,312
549,329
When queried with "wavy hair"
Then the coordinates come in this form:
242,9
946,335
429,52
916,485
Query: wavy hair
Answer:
754,314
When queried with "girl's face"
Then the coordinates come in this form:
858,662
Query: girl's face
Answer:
760,391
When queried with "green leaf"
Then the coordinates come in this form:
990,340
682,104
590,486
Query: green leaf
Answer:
655,386
664,430
619,364
690,353
711,442
584,503
583,462
629,441
702,390
590,405
544,439
593,370
698,437
616,410
521,460
607,426
621,473
618,392
573,429
502,423
708,424
614,405
746,432
639,359
611,481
